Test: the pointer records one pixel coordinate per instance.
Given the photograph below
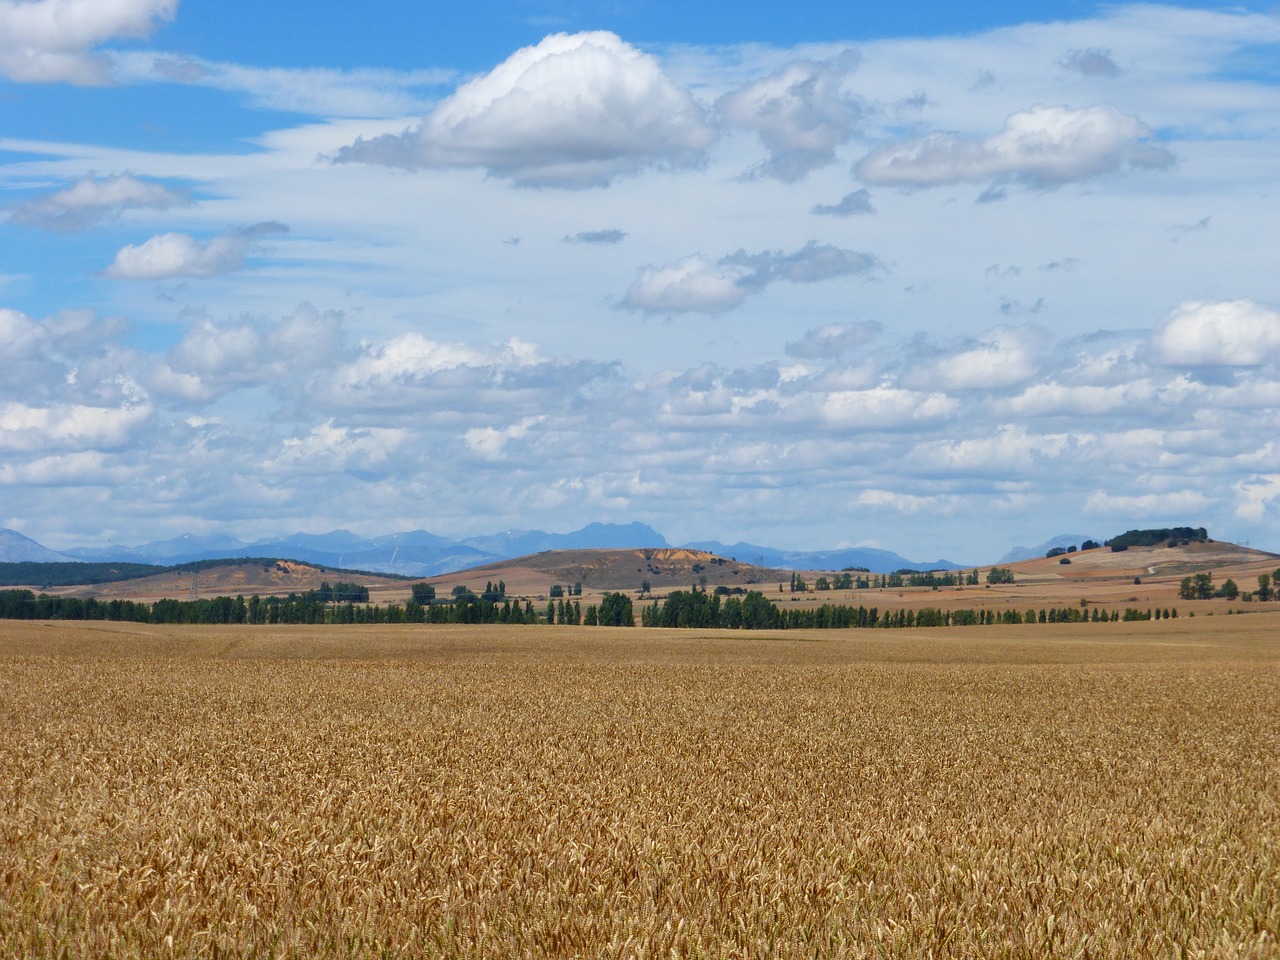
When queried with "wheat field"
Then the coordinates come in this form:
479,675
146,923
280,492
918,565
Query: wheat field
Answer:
1069,791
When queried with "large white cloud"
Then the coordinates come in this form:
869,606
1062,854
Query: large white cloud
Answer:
576,110
1224,333
50,41
181,255
801,113
1042,147
92,199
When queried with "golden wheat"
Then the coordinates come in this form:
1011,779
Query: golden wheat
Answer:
481,793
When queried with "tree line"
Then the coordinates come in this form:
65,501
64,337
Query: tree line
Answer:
692,608
337,604
698,609
1200,587
1150,537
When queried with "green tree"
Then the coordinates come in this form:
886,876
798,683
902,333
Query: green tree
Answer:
1264,586
423,593
1204,585
616,611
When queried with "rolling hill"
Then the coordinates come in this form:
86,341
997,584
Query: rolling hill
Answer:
663,568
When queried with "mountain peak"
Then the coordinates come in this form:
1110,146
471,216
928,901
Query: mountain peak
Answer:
17,548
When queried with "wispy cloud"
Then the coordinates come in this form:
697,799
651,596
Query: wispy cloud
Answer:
1091,62
696,284
855,204
801,113
318,91
610,237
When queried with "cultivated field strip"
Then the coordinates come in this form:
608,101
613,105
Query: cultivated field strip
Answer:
254,793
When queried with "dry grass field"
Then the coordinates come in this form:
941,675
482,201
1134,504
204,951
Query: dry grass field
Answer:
1047,791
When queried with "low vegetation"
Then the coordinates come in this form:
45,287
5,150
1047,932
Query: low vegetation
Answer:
474,792
1152,537
73,574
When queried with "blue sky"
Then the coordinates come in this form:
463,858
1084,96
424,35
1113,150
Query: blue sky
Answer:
932,277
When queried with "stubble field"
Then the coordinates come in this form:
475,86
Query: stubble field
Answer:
1048,791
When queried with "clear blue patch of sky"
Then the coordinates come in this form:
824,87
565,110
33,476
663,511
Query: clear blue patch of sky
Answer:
64,266
157,118
149,337
410,34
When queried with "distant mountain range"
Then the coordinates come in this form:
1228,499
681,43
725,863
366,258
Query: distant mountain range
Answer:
418,553
1031,553
877,561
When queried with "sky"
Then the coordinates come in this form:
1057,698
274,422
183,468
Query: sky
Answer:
938,278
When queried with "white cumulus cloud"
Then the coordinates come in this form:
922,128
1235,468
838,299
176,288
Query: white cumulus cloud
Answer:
182,255
694,284
328,447
52,41
490,442
1227,333
1041,147
1258,495
574,111
92,199
24,427
1001,357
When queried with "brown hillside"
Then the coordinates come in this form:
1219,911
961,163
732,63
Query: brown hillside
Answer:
278,577
1158,561
665,568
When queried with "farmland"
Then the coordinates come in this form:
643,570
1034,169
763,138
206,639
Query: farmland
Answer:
1061,790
